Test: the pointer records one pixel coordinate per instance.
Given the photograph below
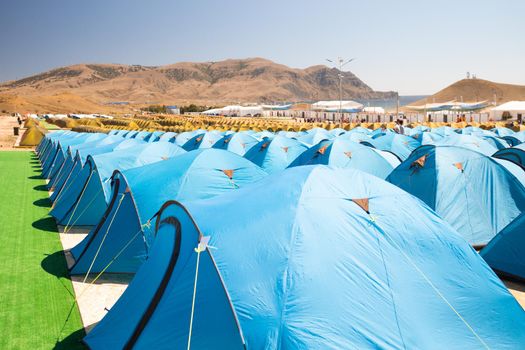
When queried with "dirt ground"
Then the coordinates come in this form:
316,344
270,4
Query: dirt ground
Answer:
7,138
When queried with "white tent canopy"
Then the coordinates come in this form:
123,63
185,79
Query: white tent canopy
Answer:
516,110
512,106
235,110
334,106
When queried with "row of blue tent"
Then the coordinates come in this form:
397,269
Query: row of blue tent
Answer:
395,270
478,222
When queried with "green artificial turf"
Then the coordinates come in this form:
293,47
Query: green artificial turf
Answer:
36,296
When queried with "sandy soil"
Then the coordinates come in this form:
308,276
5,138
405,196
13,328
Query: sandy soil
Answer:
7,139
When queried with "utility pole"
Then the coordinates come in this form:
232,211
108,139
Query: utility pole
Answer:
397,104
340,63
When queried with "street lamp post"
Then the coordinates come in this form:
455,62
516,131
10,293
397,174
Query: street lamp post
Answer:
340,63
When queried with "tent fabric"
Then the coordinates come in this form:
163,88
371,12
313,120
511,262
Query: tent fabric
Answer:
182,138
468,141
32,136
500,132
55,147
400,145
314,136
505,252
297,263
85,200
62,144
514,154
47,147
206,140
154,136
473,130
238,143
444,131
142,135
347,154
275,154
108,141
497,142
476,194
168,136
355,137
80,157
263,134
197,174
428,137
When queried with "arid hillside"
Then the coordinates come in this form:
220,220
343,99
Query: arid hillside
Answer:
470,90
214,83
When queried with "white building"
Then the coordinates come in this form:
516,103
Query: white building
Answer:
513,110
173,109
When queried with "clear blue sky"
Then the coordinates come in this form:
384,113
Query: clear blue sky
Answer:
412,46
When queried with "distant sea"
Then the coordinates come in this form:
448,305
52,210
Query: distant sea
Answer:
390,104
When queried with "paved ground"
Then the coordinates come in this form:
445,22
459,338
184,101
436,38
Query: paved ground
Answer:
94,299
37,308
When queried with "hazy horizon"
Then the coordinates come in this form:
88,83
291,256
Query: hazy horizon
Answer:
410,47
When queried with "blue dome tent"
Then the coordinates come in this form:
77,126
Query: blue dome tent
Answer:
355,137
238,143
476,194
263,134
474,130
516,138
168,136
137,195
296,262
289,134
505,252
206,140
182,138
426,137
131,134
142,135
360,129
57,154
84,200
314,136
400,145
444,130
80,159
337,132
514,154
109,142
48,139
501,131
498,142
347,154
154,136
468,141
275,154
